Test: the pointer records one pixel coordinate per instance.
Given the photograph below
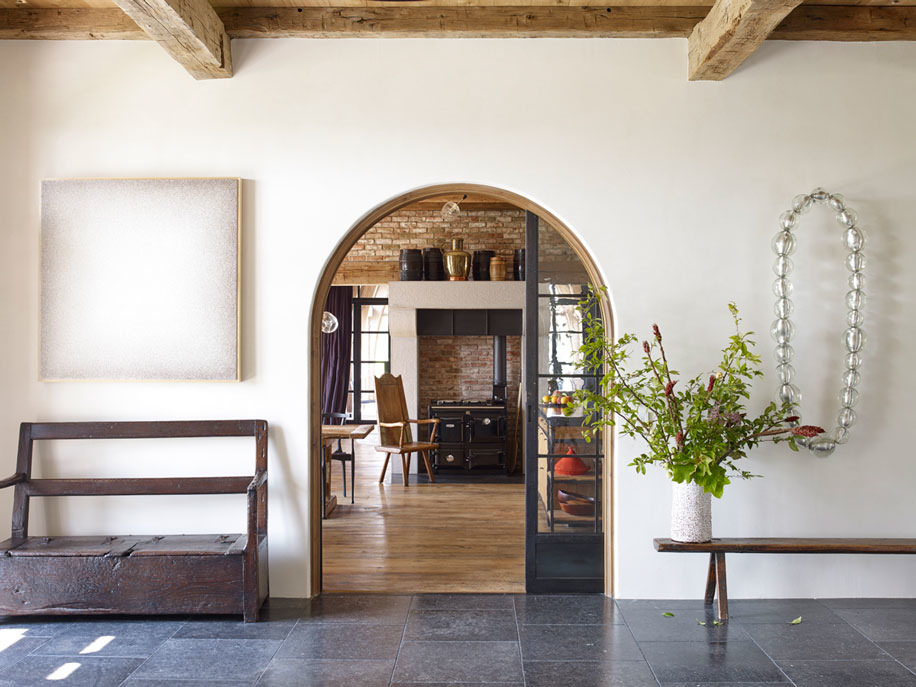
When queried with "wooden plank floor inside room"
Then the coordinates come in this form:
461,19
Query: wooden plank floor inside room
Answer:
423,538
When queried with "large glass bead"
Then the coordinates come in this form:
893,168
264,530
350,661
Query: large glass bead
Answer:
847,217
837,202
854,238
855,318
849,397
783,288
782,331
789,393
853,361
851,378
846,418
855,299
855,262
785,372
841,435
857,280
787,220
855,339
821,446
784,243
783,308
783,266
784,353
819,195
801,203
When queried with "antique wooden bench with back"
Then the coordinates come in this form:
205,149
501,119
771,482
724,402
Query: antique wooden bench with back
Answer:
215,573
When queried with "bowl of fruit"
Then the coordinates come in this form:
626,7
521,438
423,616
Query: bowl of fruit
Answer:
557,399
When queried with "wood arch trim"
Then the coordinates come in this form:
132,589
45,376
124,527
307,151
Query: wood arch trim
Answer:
334,262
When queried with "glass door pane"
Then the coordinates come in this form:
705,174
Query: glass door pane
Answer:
564,464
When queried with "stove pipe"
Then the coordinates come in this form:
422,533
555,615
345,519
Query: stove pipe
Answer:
499,368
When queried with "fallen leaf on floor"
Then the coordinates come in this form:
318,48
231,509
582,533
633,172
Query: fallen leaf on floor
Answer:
668,615
700,622
797,621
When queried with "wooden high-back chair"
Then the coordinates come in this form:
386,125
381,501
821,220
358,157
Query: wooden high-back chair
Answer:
394,427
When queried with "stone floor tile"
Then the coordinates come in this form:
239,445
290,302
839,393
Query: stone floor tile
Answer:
816,641
870,603
88,672
848,674
214,659
341,641
470,626
140,682
566,609
739,661
462,602
651,624
458,662
588,674
578,643
884,624
288,672
382,609
137,638
905,652
20,647
748,611
222,628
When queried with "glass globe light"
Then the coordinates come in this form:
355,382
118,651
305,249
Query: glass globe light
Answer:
329,323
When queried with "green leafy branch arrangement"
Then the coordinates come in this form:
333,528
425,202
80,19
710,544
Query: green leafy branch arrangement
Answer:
696,430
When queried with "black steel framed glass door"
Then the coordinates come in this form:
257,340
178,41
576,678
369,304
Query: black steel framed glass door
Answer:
371,354
564,546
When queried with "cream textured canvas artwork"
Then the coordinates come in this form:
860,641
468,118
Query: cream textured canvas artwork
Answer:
139,279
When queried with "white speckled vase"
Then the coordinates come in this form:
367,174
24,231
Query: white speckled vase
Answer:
691,513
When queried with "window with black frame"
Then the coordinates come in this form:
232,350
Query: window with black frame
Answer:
371,349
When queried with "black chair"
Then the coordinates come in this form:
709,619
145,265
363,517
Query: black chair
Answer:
341,455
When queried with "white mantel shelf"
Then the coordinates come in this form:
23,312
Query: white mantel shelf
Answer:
457,295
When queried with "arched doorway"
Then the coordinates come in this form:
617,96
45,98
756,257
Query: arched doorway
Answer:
321,293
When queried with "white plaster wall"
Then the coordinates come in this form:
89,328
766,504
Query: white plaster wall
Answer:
674,186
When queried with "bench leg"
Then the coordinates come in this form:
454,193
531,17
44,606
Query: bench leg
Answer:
711,580
721,587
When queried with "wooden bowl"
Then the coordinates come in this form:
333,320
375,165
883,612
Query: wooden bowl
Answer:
578,508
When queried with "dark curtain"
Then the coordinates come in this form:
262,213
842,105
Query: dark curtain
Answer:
335,352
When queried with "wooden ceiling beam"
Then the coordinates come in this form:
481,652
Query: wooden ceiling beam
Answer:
188,30
730,34
808,22
465,22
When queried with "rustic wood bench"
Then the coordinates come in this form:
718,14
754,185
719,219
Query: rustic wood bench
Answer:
219,574
717,548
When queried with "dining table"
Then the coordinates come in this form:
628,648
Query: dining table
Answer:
330,434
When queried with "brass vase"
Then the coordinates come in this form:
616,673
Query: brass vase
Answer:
457,261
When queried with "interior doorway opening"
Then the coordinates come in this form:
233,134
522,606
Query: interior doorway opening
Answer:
369,277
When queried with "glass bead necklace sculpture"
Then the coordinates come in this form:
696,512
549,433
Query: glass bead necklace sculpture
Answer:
783,329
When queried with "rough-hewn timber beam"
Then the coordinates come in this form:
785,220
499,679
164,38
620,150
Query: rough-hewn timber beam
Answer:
731,32
465,22
830,23
189,30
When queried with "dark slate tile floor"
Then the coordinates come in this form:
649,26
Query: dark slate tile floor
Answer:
454,640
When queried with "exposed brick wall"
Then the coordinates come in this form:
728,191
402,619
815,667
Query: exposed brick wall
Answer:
502,231
461,367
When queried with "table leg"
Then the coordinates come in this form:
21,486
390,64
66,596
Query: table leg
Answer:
352,472
711,580
720,586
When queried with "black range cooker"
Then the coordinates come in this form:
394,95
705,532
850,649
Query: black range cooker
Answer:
472,434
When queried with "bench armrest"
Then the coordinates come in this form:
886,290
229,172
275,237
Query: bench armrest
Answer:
10,481
258,481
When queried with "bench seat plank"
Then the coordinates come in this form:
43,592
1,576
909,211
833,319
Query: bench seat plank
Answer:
188,545
792,545
170,545
69,546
